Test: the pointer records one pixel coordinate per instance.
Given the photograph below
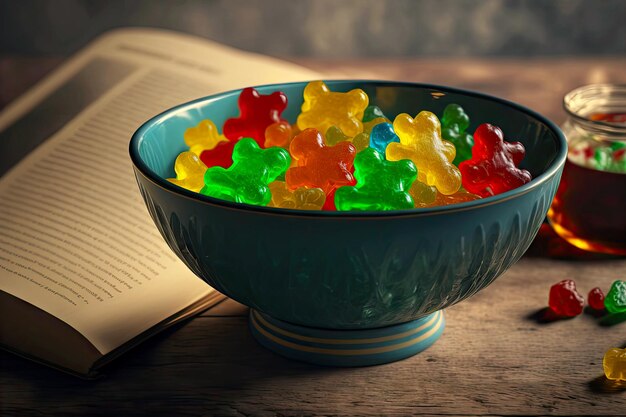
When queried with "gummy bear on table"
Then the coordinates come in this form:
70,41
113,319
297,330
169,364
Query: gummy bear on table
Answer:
615,300
565,300
614,364
344,153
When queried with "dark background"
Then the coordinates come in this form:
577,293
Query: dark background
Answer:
330,28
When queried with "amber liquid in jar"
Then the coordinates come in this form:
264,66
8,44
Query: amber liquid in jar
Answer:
589,209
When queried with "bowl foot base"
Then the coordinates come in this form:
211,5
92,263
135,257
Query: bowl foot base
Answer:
347,347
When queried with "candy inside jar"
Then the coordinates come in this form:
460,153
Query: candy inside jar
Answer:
588,209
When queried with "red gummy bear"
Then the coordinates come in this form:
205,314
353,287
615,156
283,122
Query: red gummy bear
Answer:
596,299
565,300
257,112
220,156
493,167
318,165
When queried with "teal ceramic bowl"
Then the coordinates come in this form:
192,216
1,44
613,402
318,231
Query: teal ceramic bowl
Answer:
318,279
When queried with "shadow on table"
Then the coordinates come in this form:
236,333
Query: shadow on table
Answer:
603,385
206,363
612,319
545,315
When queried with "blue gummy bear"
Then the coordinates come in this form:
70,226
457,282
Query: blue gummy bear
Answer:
381,136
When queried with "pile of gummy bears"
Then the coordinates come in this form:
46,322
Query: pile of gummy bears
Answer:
343,154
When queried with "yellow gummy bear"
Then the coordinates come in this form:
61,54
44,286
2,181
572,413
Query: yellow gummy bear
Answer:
614,364
189,171
421,142
423,195
203,136
334,135
302,198
323,108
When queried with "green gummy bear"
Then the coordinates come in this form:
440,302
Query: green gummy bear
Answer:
247,179
615,300
454,123
381,184
371,113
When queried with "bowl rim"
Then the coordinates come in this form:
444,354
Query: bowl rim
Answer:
142,168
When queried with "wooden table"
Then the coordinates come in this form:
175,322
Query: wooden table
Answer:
498,355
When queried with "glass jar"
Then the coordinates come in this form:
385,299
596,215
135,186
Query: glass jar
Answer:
589,209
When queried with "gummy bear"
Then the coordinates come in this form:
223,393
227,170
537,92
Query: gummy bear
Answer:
278,134
220,156
460,196
371,113
381,136
420,141
493,167
317,165
619,157
189,171
202,137
615,301
565,300
372,117
596,299
381,184
369,126
360,141
603,158
454,123
334,135
302,198
614,364
323,108
257,112
423,195
247,180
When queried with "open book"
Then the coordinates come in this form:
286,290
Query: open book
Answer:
84,274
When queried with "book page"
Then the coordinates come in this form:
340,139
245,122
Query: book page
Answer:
75,237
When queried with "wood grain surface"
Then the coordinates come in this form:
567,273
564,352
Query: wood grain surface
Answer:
499,355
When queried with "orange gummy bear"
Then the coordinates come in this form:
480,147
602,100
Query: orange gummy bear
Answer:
317,165
278,134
